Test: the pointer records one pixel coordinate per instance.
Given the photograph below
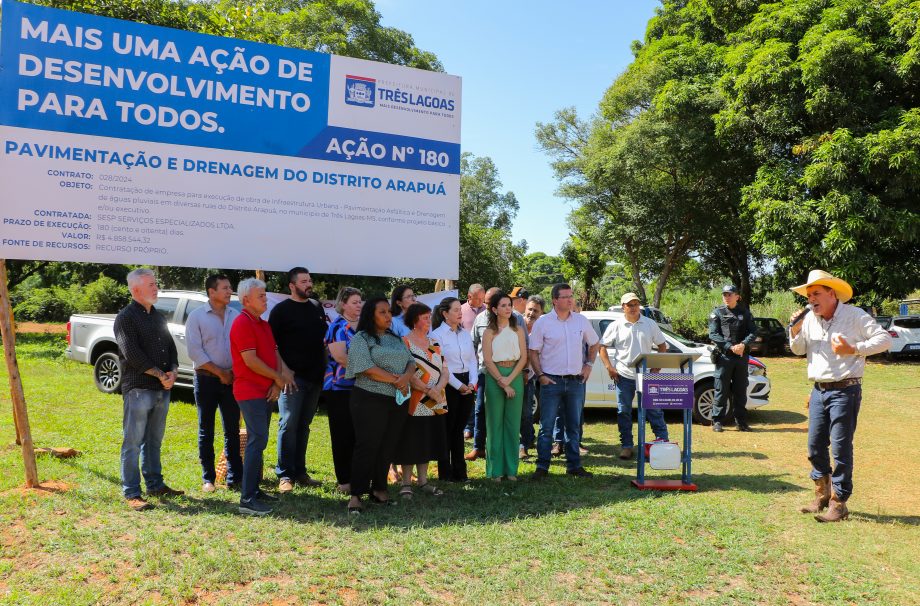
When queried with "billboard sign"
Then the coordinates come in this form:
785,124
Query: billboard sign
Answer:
130,143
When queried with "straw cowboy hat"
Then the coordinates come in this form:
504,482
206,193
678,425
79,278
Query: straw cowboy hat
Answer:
820,277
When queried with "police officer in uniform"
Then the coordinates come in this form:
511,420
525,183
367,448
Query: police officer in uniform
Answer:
731,329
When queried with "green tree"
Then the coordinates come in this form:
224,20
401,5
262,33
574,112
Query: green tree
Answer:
538,270
343,27
751,135
826,95
587,253
487,252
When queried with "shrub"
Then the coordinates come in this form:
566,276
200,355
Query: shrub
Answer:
104,296
53,304
689,309
779,304
57,304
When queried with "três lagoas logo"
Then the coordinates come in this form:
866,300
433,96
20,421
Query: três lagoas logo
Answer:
360,91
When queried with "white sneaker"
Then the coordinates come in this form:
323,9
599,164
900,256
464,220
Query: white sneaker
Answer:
207,487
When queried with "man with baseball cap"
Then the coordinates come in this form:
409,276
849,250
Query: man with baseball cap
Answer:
836,337
732,330
519,296
630,336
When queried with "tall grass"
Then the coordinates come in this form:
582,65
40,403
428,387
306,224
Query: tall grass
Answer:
689,309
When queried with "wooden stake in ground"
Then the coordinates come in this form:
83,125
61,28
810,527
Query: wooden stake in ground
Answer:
16,420
20,415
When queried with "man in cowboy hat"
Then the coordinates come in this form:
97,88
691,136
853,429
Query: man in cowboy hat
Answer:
732,330
837,338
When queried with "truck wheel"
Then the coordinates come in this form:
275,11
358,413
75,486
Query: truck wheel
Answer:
704,396
107,373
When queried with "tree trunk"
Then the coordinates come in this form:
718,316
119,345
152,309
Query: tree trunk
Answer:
638,287
20,413
675,253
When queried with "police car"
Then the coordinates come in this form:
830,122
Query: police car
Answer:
602,391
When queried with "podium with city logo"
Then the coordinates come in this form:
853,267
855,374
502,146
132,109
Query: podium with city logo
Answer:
665,391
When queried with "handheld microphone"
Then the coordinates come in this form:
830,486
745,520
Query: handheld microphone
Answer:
800,316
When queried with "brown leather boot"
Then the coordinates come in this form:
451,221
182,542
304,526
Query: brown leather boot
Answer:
822,496
836,511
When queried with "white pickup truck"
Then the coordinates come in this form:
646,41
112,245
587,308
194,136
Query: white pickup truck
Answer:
91,338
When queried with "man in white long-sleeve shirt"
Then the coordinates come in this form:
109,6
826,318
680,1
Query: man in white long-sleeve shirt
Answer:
836,337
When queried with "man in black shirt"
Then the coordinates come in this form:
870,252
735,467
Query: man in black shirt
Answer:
299,327
149,362
732,330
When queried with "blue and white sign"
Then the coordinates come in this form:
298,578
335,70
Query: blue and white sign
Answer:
130,143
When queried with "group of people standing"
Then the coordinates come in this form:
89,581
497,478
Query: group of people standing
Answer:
401,381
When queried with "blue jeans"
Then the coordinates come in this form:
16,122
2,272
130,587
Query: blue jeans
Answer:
479,415
626,391
567,395
210,396
295,413
530,402
257,415
559,426
143,426
832,422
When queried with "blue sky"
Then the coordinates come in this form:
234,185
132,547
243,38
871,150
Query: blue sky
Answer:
520,62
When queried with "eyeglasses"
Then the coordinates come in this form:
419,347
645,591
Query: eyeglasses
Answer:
411,297
566,297
632,305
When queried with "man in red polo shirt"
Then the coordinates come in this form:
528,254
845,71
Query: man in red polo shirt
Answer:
260,377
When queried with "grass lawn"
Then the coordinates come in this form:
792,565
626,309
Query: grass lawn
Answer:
739,540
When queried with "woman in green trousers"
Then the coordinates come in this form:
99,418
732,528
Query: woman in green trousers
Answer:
505,355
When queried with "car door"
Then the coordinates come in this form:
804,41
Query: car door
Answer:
168,306
178,330
601,389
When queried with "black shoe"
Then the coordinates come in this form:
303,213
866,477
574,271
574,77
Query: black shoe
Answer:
165,491
264,496
306,480
539,474
717,427
254,507
742,426
235,487
378,501
580,472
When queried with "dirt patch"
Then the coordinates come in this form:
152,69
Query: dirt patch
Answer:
36,327
44,489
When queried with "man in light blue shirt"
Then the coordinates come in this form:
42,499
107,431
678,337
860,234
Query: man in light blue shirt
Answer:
207,333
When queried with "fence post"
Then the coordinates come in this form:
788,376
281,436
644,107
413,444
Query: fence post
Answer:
20,414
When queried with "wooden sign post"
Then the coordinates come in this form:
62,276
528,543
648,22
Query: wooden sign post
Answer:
20,414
